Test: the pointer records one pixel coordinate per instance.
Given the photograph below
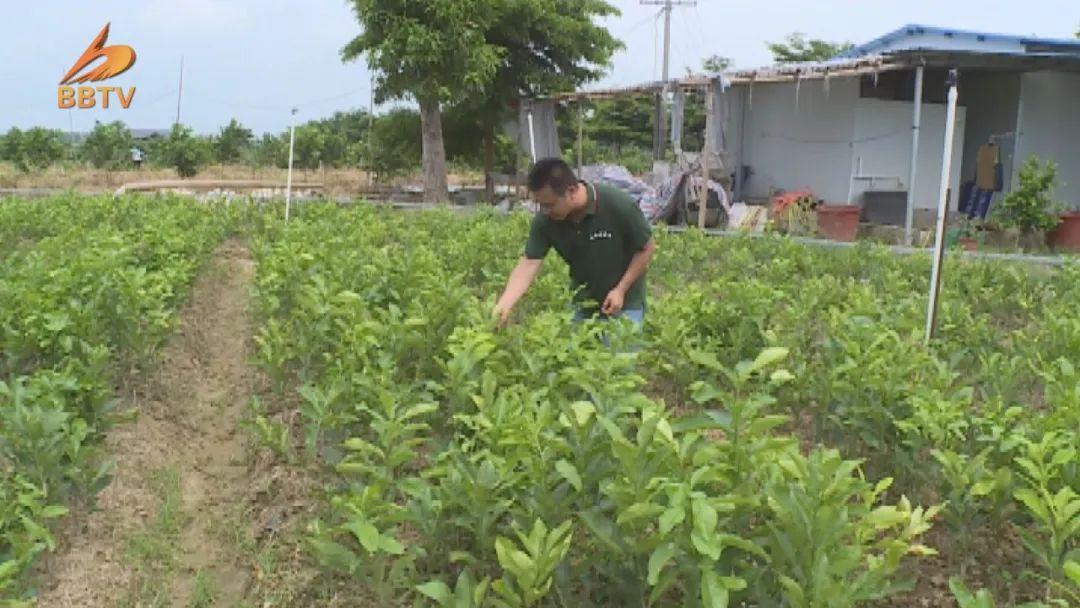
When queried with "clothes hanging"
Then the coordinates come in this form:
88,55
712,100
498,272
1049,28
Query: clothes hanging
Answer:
677,112
987,166
544,130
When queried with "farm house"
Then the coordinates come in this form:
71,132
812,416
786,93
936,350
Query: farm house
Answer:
858,122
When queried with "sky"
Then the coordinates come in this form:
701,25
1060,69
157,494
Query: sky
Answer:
255,59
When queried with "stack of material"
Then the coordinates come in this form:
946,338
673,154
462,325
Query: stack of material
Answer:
657,203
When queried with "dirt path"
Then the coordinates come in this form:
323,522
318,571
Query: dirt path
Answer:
165,532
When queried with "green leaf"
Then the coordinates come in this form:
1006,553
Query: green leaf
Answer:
436,590
670,518
1072,570
706,359
390,545
8,569
570,473
583,411
366,533
53,511
658,560
768,357
713,592
334,555
603,529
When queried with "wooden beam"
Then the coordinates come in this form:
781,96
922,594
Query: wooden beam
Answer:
706,149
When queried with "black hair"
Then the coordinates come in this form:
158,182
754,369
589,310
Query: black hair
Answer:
553,172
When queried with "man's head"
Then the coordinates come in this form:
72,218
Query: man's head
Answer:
554,187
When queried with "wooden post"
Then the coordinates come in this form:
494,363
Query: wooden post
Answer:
709,126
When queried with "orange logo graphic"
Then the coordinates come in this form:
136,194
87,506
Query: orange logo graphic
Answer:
117,60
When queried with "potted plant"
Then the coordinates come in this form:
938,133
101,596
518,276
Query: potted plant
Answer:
1029,208
968,235
838,222
1067,234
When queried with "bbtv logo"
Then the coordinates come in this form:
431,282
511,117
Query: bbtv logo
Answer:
117,60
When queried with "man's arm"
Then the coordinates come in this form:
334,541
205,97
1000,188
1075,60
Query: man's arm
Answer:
521,278
614,301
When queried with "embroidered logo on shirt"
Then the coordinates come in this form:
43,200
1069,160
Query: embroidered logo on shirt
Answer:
600,235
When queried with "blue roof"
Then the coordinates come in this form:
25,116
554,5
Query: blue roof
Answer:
1032,45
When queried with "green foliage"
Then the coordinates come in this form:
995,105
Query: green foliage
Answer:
1030,205
717,63
108,146
494,452
232,142
432,49
797,47
393,146
88,293
32,149
184,151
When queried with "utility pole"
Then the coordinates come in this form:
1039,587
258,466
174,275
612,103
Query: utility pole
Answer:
660,133
180,90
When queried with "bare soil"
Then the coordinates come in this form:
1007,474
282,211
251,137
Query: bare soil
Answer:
188,423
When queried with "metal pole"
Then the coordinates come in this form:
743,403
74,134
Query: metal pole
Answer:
371,129
288,180
532,137
909,219
661,107
943,207
180,90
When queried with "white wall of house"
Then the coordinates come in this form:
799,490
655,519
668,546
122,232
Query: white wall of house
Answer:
1050,127
883,143
817,144
791,147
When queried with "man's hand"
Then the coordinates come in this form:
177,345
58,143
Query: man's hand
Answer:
501,314
613,303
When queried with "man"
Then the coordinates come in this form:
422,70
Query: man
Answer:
600,233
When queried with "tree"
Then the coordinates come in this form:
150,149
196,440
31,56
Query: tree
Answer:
9,144
394,143
798,48
716,63
184,151
270,151
434,52
231,142
35,148
546,46
108,146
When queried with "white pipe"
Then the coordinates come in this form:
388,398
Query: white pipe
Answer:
943,207
532,137
288,182
909,218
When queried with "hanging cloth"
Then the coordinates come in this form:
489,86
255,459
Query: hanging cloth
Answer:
987,160
677,111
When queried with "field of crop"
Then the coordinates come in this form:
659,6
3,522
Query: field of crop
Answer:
777,436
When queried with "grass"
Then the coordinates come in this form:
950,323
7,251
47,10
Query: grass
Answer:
151,551
204,591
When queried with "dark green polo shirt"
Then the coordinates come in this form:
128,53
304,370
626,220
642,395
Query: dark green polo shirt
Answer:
599,248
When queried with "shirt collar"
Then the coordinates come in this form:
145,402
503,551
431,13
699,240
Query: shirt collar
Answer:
591,204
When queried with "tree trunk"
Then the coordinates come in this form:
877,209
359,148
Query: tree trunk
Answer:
489,163
435,186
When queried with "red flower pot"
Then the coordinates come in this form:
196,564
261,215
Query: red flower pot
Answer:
1067,234
838,222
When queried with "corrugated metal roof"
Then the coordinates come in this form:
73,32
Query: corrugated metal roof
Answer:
894,41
